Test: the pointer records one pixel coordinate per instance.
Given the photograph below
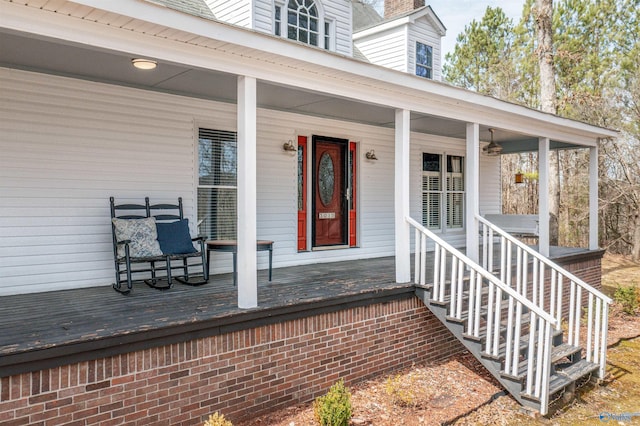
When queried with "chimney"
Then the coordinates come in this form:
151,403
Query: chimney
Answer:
394,8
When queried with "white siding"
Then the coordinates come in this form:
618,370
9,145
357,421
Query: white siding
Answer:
263,15
424,32
490,187
387,48
67,145
340,12
234,12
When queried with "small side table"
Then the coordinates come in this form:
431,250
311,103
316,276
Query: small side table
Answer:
231,246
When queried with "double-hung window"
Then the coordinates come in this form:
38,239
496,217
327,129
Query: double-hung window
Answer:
217,184
424,60
442,191
329,26
277,20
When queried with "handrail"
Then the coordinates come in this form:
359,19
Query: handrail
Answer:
544,260
597,304
482,272
450,281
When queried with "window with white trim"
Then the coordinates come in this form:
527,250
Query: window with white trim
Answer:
217,184
442,191
277,19
303,22
329,26
424,60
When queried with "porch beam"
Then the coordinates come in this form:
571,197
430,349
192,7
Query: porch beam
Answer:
401,195
543,202
472,189
247,192
593,198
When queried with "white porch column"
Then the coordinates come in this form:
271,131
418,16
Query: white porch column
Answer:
543,191
472,190
593,198
403,251
247,192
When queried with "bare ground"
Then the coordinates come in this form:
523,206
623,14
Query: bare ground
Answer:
459,391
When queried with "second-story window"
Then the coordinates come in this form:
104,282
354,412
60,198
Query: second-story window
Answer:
329,26
424,60
277,20
302,21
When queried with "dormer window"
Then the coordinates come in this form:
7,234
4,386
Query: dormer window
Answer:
303,22
277,24
424,60
328,32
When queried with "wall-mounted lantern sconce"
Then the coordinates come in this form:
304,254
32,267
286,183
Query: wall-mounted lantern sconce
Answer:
289,146
519,177
371,155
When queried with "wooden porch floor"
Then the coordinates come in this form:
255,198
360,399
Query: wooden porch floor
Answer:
99,321
56,322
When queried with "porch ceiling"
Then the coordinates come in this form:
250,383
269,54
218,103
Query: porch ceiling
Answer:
25,51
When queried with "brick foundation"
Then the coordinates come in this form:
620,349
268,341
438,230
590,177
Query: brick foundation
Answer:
241,374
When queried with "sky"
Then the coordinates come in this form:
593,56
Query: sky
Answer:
455,14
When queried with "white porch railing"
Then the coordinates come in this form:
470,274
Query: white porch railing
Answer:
532,272
482,300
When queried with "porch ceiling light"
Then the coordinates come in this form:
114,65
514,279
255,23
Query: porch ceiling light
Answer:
493,149
144,64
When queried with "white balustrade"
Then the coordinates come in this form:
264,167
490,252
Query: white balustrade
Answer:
544,286
472,290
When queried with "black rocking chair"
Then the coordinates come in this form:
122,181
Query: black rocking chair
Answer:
173,244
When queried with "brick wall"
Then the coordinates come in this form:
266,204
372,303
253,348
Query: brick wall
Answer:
587,267
398,7
589,270
241,374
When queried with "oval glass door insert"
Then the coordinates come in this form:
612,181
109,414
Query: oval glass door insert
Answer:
326,179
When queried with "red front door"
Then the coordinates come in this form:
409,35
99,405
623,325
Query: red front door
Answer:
330,226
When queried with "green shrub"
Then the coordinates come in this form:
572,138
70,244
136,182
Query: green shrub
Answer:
627,297
401,393
334,408
217,420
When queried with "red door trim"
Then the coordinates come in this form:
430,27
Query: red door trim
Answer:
302,206
354,199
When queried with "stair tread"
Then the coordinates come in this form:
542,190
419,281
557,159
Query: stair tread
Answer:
564,378
502,347
464,316
483,335
579,369
557,382
424,286
562,351
465,295
557,353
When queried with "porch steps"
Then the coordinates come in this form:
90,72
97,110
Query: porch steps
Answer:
567,365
